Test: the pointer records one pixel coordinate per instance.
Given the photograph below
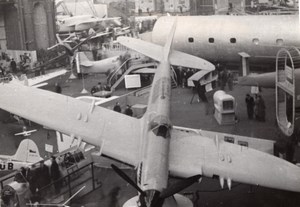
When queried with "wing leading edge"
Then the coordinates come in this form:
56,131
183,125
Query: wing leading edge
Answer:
95,125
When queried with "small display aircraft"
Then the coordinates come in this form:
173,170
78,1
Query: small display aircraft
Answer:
104,66
25,133
26,155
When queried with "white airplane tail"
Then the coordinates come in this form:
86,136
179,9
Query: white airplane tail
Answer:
27,152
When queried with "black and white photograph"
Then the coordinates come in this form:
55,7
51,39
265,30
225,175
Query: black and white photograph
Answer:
149,103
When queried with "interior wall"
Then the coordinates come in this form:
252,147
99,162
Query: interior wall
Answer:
2,30
12,27
40,26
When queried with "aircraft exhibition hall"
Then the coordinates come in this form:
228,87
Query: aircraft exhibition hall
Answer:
150,103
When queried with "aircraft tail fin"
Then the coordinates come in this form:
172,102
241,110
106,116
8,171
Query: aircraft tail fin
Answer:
84,59
27,152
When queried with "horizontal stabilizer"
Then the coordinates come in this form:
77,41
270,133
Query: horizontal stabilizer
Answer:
155,52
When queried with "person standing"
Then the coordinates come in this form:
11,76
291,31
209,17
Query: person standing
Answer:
43,175
256,100
128,111
250,106
224,78
261,110
57,88
183,77
230,80
1,69
13,65
55,174
117,107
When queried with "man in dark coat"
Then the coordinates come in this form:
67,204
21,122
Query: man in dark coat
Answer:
55,174
261,109
13,65
128,111
250,106
117,107
43,175
57,88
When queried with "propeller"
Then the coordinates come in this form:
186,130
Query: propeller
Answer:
128,179
169,191
179,186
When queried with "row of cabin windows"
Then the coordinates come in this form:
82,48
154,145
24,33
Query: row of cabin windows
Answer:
233,40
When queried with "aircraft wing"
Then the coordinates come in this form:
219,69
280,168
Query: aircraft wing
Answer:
39,79
154,51
197,76
112,20
100,35
76,118
145,70
192,154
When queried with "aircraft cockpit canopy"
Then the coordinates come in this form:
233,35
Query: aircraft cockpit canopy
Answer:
161,125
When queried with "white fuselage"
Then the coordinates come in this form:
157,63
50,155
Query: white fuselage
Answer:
222,38
156,142
6,165
104,66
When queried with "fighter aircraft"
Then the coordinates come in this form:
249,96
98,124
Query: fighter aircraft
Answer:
152,144
26,155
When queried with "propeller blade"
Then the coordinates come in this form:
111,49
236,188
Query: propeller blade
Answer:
127,178
179,186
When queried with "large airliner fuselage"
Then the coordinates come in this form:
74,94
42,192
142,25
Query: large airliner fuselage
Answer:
226,38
